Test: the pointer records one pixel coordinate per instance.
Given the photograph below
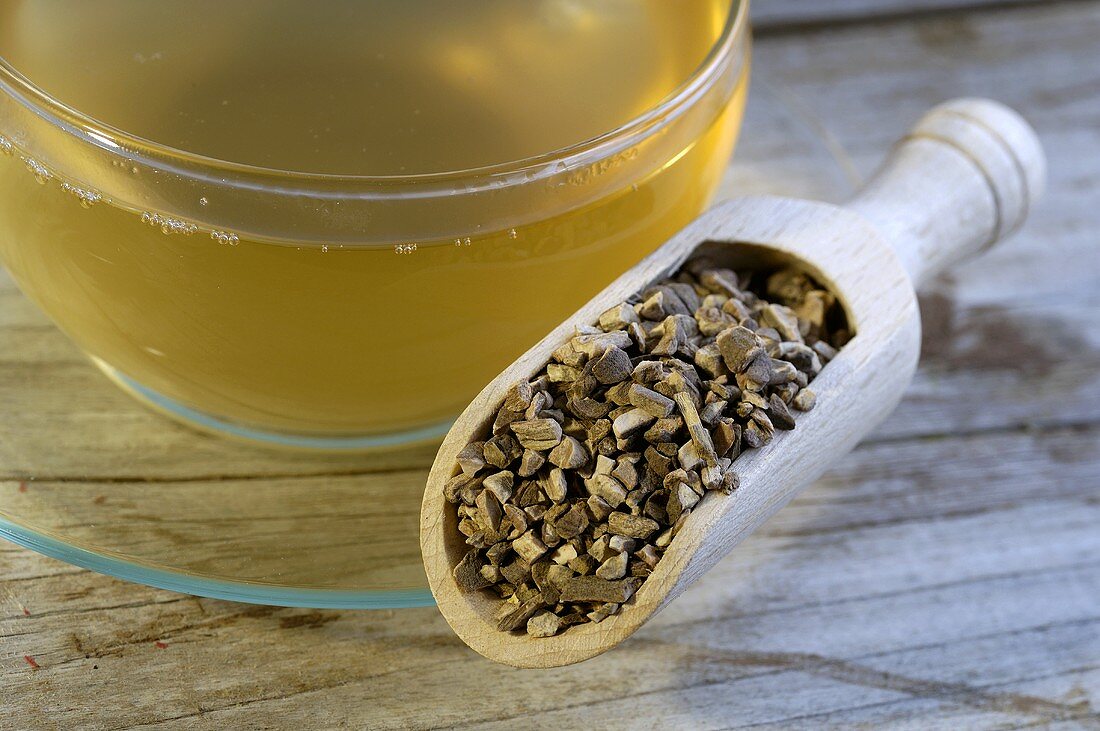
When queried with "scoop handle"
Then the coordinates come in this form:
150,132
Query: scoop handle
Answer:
963,179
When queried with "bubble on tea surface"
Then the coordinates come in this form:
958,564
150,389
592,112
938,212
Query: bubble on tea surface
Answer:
512,234
203,201
324,248
225,238
404,248
85,196
168,225
41,172
6,147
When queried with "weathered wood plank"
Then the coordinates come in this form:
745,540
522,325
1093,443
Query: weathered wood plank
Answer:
789,16
1024,697
879,650
1010,339
818,598
238,528
768,684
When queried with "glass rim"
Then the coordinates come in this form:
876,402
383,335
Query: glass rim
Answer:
118,141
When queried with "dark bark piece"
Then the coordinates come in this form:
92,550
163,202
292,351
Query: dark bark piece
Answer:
721,281
626,470
584,565
678,330
530,463
698,431
527,494
726,437
556,485
504,418
759,370
598,508
614,567
709,414
467,572
516,572
782,372
498,553
659,463
649,401
573,522
664,430
461,488
561,373
754,436
518,397
612,366
589,408
713,320
489,511
648,371
501,450
687,295
779,414
737,345
515,618
529,547
800,356
653,308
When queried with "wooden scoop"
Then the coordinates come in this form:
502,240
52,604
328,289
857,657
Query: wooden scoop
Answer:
963,179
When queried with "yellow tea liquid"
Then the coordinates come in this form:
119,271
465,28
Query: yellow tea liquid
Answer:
308,338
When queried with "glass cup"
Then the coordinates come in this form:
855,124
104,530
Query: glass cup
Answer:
338,311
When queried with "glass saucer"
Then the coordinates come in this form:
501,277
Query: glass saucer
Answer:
90,476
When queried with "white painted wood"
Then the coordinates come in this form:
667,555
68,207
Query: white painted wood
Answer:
991,163
964,178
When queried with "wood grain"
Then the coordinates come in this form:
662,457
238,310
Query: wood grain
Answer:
943,576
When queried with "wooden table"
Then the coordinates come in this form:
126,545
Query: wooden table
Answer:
946,574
